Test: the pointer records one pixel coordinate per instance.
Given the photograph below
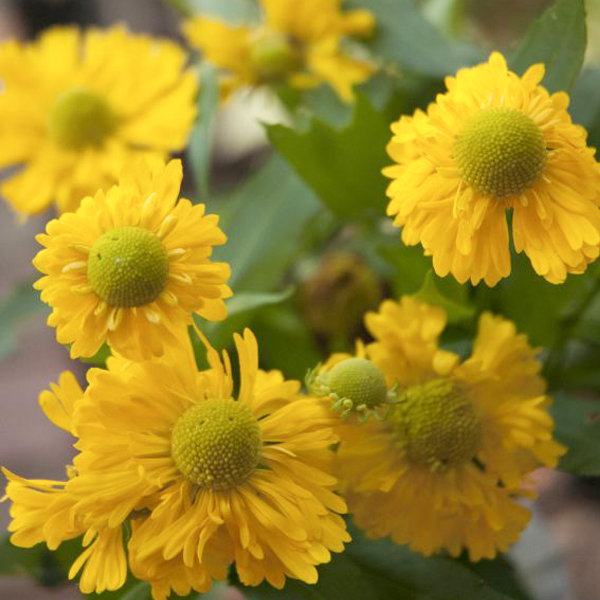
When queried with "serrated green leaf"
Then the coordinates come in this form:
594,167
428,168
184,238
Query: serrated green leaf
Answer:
558,39
201,138
430,294
273,208
405,36
577,423
343,166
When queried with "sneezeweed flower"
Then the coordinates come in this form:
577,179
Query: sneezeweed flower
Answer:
131,265
205,479
75,107
493,142
298,41
446,468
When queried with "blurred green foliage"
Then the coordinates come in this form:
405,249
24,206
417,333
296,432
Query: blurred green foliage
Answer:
322,190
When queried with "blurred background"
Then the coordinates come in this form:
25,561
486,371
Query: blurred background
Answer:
557,556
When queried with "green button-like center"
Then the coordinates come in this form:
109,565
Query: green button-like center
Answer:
128,267
275,55
80,118
500,152
359,380
436,424
216,444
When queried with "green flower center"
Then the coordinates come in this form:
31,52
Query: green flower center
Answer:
436,424
359,380
275,55
128,267
500,152
80,118
216,444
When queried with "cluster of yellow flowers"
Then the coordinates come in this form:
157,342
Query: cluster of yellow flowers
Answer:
176,475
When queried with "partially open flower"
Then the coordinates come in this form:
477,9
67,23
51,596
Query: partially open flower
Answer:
353,385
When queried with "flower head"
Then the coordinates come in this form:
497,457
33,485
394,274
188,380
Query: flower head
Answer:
493,142
446,467
205,478
297,41
131,265
75,107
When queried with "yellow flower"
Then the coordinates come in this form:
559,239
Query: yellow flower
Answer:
447,466
131,265
76,106
206,479
299,41
496,141
42,510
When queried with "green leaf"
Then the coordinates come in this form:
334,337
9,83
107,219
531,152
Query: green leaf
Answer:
48,568
535,305
381,570
248,301
399,573
408,265
140,591
404,35
21,304
234,11
430,294
558,39
273,209
285,342
342,166
585,103
577,422
499,574
201,139
99,359
241,309
341,578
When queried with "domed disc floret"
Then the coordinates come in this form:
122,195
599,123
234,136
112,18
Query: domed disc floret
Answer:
275,55
128,267
353,385
436,424
79,118
500,152
216,444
